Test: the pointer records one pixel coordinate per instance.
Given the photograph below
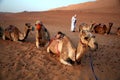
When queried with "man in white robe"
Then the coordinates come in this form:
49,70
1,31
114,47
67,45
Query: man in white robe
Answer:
73,23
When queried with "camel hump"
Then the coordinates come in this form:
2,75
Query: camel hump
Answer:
10,28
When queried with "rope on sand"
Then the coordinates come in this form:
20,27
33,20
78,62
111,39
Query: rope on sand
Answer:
91,64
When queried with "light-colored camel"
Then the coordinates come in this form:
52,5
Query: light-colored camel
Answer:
63,48
42,35
84,26
14,34
67,52
86,42
118,31
102,28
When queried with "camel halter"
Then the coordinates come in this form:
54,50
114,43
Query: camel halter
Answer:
82,43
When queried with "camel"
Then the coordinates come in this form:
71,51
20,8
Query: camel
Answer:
118,31
102,28
67,52
14,34
42,35
96,28
84,26
63,48
87,42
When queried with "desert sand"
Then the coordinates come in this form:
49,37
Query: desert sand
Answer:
23,61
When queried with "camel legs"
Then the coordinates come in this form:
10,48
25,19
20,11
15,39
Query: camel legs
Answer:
37,44
48,49
14,37
3,37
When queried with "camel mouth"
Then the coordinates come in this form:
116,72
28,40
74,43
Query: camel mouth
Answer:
94,48
30,27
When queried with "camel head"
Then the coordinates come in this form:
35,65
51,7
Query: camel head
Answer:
87,42
29,26
88,39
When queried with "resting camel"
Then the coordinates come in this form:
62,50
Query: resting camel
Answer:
14,34
67,52
102,28
42,35
86,42
63,48
85,26
118,31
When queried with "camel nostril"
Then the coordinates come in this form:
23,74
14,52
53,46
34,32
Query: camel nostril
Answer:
86,38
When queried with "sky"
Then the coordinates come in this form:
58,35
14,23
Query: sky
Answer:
35,5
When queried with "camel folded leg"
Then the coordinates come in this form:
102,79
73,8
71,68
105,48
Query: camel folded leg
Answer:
3,37
65,62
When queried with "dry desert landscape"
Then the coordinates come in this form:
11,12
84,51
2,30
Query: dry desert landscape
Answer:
23,61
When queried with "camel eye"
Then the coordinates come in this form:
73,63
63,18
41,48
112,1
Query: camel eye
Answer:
86,38
29,26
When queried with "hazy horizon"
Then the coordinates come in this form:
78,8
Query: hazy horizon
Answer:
35,5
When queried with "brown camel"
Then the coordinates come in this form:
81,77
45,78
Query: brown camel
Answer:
42,35
87,42
84,26
63,48
67,52
118,31
14,34
102,28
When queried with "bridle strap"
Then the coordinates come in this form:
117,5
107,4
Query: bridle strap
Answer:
82,43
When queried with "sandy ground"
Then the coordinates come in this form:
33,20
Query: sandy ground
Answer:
23,61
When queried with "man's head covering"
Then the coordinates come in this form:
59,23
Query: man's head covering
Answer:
75,15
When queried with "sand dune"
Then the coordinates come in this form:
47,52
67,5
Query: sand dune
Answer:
96,6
